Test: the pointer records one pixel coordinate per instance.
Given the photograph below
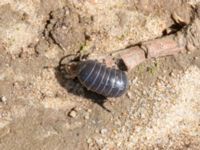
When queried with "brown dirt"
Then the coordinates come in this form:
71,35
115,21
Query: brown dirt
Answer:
41,110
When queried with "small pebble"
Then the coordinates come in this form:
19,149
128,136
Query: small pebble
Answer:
64,27
103,131
172,74
129,94
89,110
144,92
72,114
3,99
89,140
87,116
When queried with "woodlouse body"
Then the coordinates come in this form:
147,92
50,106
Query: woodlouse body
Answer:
98,78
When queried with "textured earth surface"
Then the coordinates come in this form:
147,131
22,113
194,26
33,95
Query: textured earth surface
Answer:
39,109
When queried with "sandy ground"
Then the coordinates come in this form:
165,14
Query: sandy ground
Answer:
39,109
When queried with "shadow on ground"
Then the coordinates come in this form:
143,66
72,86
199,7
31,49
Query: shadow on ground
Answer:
74,86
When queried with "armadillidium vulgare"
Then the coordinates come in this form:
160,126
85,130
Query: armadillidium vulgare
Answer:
96,77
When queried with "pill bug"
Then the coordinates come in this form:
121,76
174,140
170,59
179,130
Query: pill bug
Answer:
99,78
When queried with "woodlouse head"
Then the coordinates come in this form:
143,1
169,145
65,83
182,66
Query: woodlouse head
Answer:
71,69
68,66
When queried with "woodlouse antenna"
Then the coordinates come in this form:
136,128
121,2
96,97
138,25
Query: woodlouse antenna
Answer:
67,57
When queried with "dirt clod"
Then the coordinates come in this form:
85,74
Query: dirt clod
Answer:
65,29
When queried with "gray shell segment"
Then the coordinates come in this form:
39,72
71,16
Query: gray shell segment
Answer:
101,79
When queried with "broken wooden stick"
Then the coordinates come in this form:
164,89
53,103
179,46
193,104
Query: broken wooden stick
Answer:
187,39
151,49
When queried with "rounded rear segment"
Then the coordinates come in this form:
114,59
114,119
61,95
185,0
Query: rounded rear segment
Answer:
115,83
119,82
